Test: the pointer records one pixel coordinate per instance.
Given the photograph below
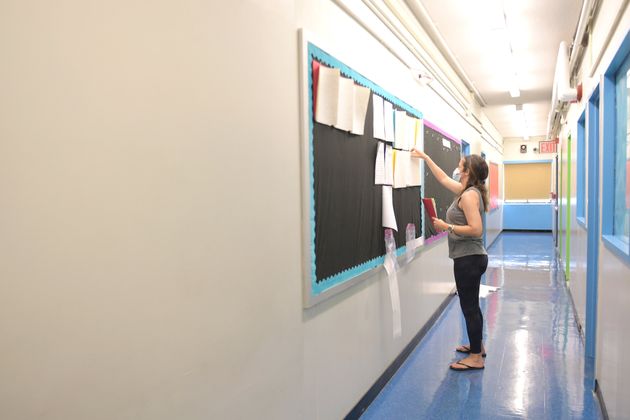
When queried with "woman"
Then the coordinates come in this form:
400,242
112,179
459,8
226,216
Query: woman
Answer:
464,224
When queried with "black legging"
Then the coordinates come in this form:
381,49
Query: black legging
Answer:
468,271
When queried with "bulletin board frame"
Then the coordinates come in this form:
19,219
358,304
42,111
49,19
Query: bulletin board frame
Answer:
315,292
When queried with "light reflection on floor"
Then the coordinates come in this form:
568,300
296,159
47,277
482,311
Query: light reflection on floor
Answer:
535,366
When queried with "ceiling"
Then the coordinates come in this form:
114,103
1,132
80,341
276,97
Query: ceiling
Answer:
479,35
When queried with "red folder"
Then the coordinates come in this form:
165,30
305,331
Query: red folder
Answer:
429,205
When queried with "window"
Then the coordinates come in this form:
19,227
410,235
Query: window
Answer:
616,158
581,171
527,180
622,196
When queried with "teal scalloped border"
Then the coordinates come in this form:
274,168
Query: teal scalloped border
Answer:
345,275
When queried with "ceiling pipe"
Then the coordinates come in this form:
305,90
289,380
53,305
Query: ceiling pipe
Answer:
340,3
422,15
565,66
611,32
587,8
564,91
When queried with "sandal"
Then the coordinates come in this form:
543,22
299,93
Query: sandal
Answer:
466,367
466,349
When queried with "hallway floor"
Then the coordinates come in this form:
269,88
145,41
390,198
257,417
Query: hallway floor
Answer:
535,366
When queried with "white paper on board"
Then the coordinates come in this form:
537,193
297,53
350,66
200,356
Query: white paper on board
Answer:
379,165
389,165
389,218
419,137
388,116
345,104
377,115
400,129
327,95
361,100
410,132
446,143
402,168
415,174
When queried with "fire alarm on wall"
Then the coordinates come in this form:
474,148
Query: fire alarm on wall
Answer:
523,148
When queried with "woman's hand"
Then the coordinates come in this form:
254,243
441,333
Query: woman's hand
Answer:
418,153
440,224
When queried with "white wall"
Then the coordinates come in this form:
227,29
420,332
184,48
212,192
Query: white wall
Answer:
150,230
141,163
512,150
613,335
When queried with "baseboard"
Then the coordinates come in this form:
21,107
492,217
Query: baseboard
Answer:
527,230
575,314
488,246
391,370
600,398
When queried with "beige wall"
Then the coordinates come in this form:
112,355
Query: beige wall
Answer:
150,230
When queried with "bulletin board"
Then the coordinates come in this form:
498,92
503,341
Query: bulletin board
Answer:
343,237
494,185
527,180
446,151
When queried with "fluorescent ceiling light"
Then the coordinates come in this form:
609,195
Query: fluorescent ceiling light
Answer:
502,41
521,120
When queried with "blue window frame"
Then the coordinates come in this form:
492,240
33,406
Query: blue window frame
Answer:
580,211
465,148
616,162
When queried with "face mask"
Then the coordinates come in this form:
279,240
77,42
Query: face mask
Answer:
456,175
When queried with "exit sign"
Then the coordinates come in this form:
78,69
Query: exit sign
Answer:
548,146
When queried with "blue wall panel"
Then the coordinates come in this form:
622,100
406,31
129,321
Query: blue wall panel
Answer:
527,216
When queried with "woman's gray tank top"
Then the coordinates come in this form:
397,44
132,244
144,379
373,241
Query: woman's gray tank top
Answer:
460,246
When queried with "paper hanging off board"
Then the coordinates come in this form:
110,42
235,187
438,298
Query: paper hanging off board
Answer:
327,95
415,172
401,165
389,165
400,127
379,165
360,106
377,116
389,218
391,266
345,104
388,116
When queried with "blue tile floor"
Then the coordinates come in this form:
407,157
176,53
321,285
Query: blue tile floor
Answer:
535,368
